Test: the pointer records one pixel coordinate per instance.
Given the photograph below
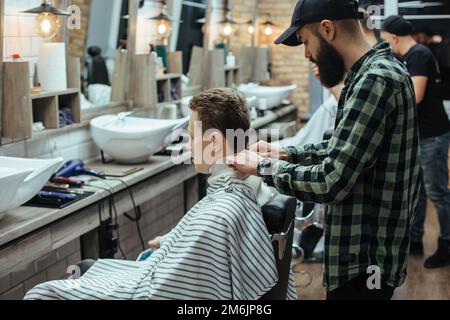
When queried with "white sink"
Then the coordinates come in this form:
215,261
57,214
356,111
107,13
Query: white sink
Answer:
38,173
132,139
273,96
10,180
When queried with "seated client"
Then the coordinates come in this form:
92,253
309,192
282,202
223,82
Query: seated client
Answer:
220,250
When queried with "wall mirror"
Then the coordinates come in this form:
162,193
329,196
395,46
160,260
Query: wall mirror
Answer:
105,56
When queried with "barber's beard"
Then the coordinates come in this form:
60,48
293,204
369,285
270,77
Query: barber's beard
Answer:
330,63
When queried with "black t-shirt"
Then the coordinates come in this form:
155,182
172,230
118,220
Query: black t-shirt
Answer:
433,119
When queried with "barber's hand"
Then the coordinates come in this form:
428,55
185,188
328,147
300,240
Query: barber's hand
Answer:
267,150
245,162
155,243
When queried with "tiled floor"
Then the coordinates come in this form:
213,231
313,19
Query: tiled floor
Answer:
421,284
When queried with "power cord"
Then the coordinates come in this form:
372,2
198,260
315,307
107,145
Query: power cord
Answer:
137,212
136,209
112,210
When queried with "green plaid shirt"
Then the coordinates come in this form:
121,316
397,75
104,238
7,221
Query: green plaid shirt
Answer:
368,173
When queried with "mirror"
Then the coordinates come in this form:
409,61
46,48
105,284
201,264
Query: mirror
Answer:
105,53
190,33
188,38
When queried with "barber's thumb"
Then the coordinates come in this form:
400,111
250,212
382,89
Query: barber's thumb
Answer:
230,160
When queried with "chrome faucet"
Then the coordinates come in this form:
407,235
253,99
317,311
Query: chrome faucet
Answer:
121,116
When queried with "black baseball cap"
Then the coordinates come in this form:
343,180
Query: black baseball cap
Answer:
311,11
397,25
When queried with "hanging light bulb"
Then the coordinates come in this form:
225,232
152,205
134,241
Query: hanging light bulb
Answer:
250,27
268,30
47,21
268,26
164,23
228,26
47,25
227,30
164,28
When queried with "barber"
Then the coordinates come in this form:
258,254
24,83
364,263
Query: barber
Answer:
434,129
368,173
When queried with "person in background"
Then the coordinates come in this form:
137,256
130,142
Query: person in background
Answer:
440,46
434,128
422,35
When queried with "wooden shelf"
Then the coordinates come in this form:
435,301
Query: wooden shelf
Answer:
159,104
22,108
150,90
169,76
55,93
46,132
217,73
232,76
229,68
166,85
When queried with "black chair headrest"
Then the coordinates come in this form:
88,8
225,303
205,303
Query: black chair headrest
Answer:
279,213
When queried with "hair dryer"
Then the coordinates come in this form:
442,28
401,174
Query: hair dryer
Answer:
76,168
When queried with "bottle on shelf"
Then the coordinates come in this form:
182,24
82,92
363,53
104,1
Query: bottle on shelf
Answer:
231,60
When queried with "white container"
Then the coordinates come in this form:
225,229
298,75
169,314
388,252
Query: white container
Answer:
52,66
231,60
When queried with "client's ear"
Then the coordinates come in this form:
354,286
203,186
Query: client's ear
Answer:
216,139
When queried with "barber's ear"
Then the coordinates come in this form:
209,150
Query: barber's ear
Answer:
328,30
395,38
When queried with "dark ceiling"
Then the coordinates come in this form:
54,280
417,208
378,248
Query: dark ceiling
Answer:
420,8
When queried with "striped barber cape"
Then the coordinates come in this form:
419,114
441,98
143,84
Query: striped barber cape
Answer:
220,250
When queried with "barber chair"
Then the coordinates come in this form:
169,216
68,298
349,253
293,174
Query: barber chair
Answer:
279,216
309,228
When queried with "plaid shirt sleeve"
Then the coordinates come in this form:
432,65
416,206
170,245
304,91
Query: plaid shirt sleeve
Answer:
352,149
307,155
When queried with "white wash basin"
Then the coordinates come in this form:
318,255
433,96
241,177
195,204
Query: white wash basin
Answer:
10,180
38,173
273,96
132,139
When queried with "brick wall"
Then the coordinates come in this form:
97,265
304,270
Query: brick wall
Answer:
159,216
289,64
52,266
242,11
19,33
